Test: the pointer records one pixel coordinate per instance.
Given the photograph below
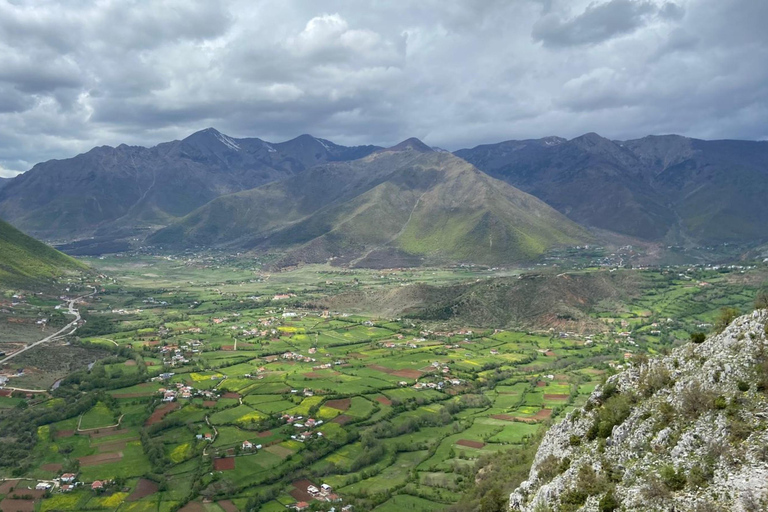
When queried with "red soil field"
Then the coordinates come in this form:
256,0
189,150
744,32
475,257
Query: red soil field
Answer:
101,458
471,444
383,400
9,505
408,374
341,405
266,433
193,506
555,396
231,395
143,489
299,491
5,487
224,464
342,419
209,403
228,506
51,467
160,412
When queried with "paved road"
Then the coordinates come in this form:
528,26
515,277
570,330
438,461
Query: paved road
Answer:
71,325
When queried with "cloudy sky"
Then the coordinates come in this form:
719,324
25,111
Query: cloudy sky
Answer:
455,73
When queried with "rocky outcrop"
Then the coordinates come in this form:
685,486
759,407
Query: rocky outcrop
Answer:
683,432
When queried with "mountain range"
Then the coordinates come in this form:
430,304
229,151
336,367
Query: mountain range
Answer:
315,200
24,261
659,188
407,204
119,190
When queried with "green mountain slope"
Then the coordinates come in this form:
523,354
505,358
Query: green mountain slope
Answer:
408,204
25,261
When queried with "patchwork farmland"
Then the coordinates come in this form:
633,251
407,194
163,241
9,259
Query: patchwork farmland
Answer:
220,389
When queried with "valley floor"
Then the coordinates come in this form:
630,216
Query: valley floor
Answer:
219,386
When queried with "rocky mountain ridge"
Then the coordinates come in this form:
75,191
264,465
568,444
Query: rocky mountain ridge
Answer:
120,191
660,188
684,432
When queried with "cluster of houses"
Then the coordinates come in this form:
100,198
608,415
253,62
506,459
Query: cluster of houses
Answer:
437,385
323,493
184,391
295,356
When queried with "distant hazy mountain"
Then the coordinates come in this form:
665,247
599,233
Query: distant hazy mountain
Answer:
401,205
657,188
108,189
25,261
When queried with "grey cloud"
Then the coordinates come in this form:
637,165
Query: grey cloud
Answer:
600,22
77,74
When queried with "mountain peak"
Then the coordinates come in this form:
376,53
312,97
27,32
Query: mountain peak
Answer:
212,135
412,144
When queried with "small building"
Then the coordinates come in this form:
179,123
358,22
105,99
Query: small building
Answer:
247,445
68,477
98,485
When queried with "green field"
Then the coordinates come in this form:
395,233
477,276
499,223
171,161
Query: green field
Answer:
394,411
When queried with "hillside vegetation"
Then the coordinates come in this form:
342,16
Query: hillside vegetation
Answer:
25,261
408,205
685,432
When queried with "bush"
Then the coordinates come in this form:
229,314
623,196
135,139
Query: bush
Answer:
699,476
698,337
696,401
615,410
608,503
672,479
761,299
743,386
653,379
724,319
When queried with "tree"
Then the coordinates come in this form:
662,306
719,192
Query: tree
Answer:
493,501
724,319
761,299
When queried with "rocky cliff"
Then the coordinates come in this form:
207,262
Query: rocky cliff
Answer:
683,432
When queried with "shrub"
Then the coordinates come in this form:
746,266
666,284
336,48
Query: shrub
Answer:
608,503
549,468
724,319
743,386
674,480
653,379
761,299
699,476
696,400
698,337
615,410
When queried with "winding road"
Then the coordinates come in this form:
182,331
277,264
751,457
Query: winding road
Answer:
71,325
